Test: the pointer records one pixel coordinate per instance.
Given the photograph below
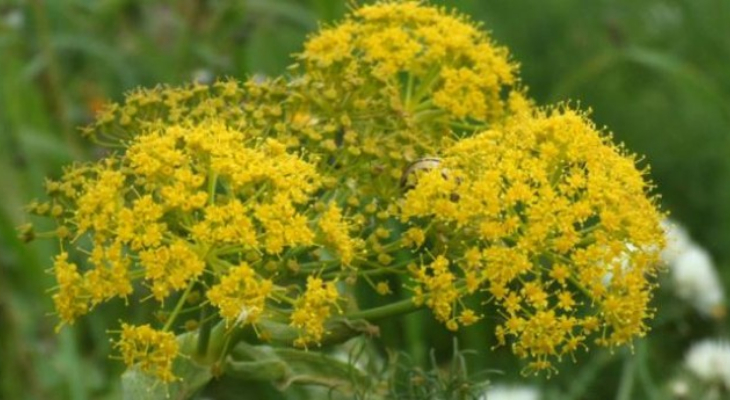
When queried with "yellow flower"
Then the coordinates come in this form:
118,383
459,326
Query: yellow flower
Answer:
337,233
68,300
392,83
152,351
282,225
240,295
170,267
560,230
438,282
414,237
444,56
313,309
195,185
403,143
383,288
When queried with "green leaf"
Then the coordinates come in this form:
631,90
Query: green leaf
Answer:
290,366
137,385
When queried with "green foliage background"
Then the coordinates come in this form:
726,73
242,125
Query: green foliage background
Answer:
654,71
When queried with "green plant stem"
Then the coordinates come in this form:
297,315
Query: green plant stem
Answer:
645,378
401,307
212,182
397,308
178,307
627,379
203,333
218,340
409,90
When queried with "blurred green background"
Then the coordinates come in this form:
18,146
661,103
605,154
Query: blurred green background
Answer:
655,72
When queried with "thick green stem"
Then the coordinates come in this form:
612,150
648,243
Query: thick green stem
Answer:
401,307
219,336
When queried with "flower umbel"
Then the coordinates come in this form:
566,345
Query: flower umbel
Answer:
240,295
152,351
312,309
539,213
401,153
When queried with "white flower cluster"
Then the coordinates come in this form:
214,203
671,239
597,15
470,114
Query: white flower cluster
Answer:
693,272
709,360
502,392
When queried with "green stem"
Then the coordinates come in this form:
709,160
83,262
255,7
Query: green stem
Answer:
627,379
469,127
428,115
643,370
218,338
426,84
409,91
212,182
178,307
203,332
400,307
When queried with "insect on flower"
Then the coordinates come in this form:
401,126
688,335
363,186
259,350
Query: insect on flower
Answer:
409,179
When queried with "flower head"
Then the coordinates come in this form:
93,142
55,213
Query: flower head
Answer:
696,281
176,194
312,309
445,57
709,360
240,295
538,213
152,351
402,145
394,82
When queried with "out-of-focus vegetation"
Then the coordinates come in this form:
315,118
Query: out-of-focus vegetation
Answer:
655,72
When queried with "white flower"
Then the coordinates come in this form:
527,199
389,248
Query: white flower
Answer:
696,281
502,392
677,241
679,388
709,360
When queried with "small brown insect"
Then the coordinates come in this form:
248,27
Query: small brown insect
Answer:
409,177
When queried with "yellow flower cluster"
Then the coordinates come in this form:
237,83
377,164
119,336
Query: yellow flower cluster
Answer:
240,295
337,232
313,309
150,350
444,58
563,235
165,207
403,146
439,282
396,81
